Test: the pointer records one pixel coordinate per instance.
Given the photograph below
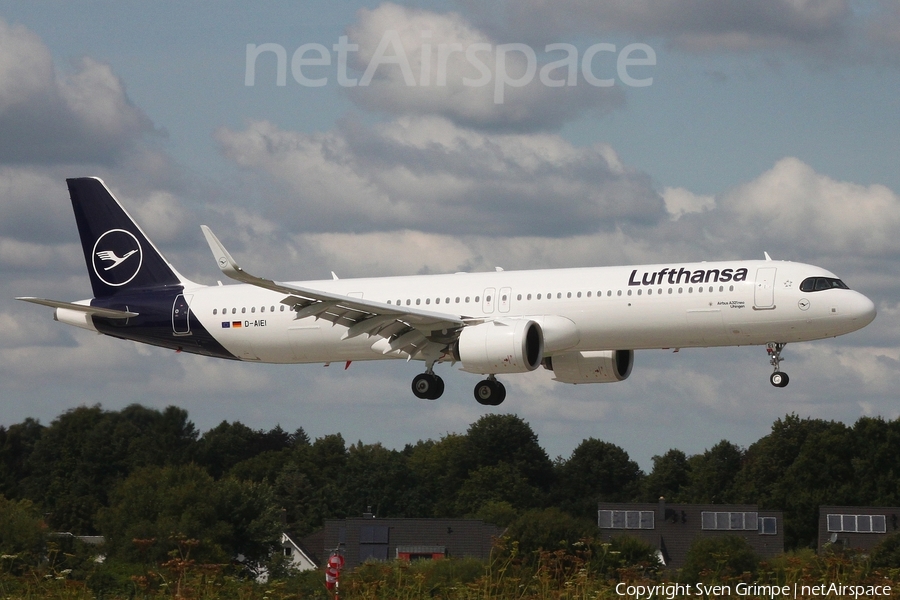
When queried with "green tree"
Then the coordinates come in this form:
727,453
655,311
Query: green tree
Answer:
228,444
801,464
439,470
875,467
171,504
377,477
16,445
596,471
713,473
671,473
493,484
86,451
495,439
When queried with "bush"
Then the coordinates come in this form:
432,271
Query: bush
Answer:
22,535
718,559
886,555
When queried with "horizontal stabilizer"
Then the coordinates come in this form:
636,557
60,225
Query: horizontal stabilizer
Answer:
96,311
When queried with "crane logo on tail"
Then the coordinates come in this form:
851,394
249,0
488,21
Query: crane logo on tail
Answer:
117,257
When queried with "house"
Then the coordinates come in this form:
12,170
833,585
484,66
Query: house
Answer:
367,538
672,528
301,559
860,527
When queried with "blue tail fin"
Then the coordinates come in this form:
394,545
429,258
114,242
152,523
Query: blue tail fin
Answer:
119,257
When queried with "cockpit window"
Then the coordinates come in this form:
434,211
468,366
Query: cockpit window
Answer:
817,284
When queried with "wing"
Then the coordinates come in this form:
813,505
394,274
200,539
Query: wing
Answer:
412,331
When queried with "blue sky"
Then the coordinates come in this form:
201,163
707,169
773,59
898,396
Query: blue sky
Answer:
768,126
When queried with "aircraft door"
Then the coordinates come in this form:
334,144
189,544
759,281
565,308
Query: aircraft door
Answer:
504,299
487,302
764,296
181,312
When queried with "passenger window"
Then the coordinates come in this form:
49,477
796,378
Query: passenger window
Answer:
649,292
467,299
721,288
272,309
609,293
589,294
569,295
253,309
538,296
503,298
619,293
418,301
690,290
680,290
477,298
447,301
243,309
670,290
427,301
282,308
215,311
233,310
519,297
629,292
457,299
528,297
559,295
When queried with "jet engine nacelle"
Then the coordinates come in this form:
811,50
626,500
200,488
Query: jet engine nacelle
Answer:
591,367
501,346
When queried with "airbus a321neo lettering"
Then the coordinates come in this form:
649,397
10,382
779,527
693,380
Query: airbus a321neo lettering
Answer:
583,324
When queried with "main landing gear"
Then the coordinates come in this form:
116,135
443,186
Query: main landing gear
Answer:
427,385
490,392
777,378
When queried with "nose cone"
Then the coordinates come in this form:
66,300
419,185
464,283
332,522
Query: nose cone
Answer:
861,310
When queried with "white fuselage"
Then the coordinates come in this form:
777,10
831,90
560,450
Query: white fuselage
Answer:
730,303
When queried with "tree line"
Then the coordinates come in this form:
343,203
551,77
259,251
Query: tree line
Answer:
144,474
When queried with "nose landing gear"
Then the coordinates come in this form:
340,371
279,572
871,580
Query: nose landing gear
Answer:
778,378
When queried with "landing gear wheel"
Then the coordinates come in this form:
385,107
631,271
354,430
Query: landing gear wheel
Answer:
490,392
779,379
427,386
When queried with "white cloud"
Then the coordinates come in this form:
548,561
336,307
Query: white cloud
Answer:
429,174
46,118
793,202
680,201
693,24
414,61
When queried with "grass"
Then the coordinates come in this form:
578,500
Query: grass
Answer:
589,572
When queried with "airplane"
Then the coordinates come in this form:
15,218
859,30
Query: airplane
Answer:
583,324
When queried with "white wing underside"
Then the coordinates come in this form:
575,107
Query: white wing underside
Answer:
412,332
